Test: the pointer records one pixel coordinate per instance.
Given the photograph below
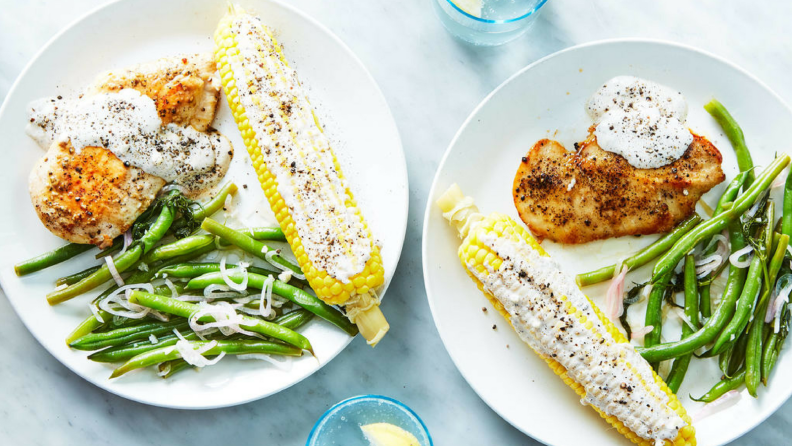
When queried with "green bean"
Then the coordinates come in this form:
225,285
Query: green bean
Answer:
745,304
728,196
76,277
294,319
122,262
50,258
165,354
733,358
641,257
654,311
146,275
754,349
247,244
124,352
773,346
735,135
261,233
212,206
720,222
88,325
179,247
192,270
721,316
95,341
722,387
786,215
294,294
187,309
679,369
169,368
291,320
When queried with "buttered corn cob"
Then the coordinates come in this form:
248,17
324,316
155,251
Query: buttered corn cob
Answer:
299,172
551,314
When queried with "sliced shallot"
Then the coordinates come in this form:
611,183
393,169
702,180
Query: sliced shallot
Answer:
266,296
734,259
639,334
113,271
614,299
728,399
242,286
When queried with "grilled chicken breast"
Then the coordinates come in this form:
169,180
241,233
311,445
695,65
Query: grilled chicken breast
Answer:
592,194
90,195
185,89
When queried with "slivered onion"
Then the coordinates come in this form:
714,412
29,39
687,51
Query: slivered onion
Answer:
95,311
226,318
113,271
194,356
242,286
728,399
708,265
734,259
127,240
639,334
269,257
169,284
683,317
153,339
209,292
131,311
266,295
614,300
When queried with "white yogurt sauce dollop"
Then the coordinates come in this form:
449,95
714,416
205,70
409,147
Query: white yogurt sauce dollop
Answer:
640,120
127,124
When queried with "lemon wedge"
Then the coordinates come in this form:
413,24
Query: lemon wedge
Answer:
472,7
386,434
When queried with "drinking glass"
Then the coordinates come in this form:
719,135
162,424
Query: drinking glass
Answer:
487,22
340,425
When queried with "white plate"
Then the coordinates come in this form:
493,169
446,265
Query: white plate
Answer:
349,104
547,99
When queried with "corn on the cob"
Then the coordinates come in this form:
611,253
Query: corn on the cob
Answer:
553,316
299,172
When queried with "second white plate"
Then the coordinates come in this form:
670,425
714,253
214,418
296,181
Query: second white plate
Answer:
546,100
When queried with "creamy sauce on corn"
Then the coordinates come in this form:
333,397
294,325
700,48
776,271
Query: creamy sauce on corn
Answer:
640,120
127,124
298,154
616,378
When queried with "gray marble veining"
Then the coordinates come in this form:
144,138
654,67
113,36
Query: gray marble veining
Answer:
432,82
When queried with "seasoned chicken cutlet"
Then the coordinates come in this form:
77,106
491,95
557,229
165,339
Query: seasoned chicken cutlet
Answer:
185,89
593,194
88,194
89,197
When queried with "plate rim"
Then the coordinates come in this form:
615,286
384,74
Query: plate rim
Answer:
405,197
433,189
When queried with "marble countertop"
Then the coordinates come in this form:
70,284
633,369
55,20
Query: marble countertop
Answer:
431,82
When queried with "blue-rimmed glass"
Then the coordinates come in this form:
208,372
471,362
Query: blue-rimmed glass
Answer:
340,425
497,22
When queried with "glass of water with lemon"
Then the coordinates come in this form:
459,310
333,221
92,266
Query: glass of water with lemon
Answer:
487,22
369,420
